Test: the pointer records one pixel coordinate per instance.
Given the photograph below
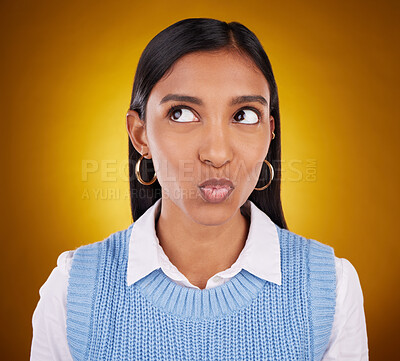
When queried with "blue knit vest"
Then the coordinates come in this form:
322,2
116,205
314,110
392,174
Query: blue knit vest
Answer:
246,318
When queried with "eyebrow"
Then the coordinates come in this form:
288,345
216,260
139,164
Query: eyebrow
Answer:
234,101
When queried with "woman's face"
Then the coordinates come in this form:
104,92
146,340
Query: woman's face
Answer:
213,133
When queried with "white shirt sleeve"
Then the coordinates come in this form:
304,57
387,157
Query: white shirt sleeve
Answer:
49,342
348,340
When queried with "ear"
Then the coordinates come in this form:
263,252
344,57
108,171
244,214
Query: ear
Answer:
136,128
271,123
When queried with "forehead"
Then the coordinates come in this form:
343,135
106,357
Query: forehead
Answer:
218,74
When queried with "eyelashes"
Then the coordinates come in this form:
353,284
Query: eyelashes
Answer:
174,107
255,110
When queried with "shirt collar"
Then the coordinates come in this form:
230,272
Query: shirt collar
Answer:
260,255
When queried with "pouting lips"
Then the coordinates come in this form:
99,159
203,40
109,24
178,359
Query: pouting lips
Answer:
215,194
215,182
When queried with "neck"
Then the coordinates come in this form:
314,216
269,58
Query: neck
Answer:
199,251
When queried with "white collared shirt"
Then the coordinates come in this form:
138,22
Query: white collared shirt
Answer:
260,256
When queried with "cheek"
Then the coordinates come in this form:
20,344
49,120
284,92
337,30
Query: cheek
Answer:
166,163
162,149
173,156
173,165
251,155
248,171
257,170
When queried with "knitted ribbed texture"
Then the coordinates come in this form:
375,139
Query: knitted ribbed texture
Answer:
246,318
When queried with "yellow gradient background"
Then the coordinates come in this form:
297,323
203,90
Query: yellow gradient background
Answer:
67,73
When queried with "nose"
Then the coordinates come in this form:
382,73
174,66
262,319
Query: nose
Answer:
216,145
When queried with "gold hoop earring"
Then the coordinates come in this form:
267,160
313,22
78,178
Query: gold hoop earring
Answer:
272,176
137,173
273,135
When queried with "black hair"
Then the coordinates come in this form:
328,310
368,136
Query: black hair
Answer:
181,38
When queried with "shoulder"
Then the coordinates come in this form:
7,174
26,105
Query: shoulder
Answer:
316,249
348,282
312,257
54,289
48,320
349,332
345,271
88,255
316,262
55,284
343,277
64,261
348,285
92,260
345,298
115,239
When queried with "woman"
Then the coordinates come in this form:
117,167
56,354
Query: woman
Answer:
209,269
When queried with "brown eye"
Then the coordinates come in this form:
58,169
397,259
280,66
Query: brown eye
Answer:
176,113
247,116
181,115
